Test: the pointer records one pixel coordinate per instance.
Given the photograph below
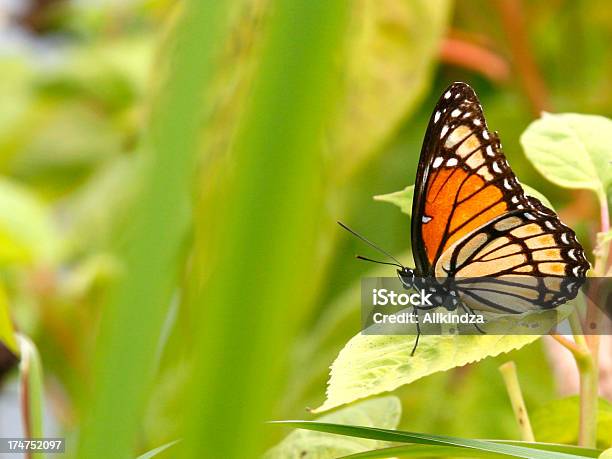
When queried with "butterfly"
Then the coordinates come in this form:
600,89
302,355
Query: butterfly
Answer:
475,231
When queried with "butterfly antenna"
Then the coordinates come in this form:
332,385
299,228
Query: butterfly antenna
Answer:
377,261
371,244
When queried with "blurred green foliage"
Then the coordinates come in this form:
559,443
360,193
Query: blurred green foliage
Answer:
75,103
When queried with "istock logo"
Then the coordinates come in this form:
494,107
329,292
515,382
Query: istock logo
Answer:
384,297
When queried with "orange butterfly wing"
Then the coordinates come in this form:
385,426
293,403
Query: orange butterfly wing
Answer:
464,182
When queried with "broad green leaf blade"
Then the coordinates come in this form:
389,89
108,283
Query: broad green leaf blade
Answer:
403,198
430,439
372,364
558,421
7,333
388,66
158,450
571,150
383,412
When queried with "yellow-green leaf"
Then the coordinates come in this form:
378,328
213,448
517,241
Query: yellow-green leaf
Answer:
403,198
388,66
26,230
372,364
7,334
571,150
607,454
557,421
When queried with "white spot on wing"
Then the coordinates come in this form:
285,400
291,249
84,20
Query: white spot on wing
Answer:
496,168
444,131
437,162
564,238
452,162
477,122
572,254
425,219
576,270
514,199
455,113
490,151
437,117
507,185
530,216
447,95
485,135
549,225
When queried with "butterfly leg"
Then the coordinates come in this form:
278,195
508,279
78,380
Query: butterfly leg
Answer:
469,310
418,327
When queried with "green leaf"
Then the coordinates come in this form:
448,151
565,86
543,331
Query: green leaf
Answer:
607,454
453,451
383,412
571,150
156,451
558,421
7,333
371,364
529,191
26,230
388,66
403,198
510,450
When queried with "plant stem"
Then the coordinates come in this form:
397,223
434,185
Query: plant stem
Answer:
30,370
589,399
463,53
569,345
589,384
508,371
588,364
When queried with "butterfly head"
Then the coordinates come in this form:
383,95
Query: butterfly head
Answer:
406,277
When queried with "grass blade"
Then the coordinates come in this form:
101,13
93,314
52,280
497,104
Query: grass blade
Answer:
432,440
452,451
158,450
134,315
424,451
262,253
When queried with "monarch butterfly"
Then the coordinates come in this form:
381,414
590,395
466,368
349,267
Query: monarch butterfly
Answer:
472,219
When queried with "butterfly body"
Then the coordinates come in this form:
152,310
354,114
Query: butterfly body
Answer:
472,219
